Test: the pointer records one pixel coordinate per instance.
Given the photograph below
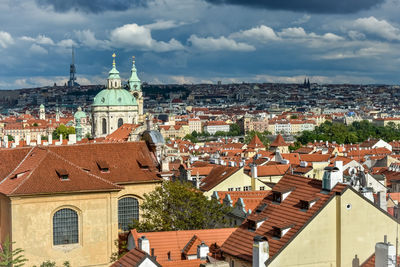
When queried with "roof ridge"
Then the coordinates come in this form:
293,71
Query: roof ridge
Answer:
29,175
26,156
81,169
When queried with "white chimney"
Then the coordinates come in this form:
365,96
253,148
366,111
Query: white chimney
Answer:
144,244
71,139
39,139
385,254
202,251
50,139
5,141
61,138
332,176
381,200
260,251
28,139
16,140
303,163
254,173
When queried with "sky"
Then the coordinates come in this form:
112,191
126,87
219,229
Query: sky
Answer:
200,41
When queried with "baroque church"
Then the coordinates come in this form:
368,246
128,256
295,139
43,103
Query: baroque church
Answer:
114,106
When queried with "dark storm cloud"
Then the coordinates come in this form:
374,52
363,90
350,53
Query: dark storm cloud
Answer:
91,6
311,6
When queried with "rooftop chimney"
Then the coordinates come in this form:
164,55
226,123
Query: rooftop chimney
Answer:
28,139
385,254
50,139
39,139
144,244
381,200
202,251
254,170
16,140
332,176
260,251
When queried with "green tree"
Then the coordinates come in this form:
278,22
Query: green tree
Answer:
10,257
35,124
191,138
64,130
53,264
179,206
234,129
10,138
293,117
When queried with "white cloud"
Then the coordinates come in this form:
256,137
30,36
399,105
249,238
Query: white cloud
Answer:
163,25
221,43
262,33
87,38
5,39
355,35
37,49
67,43
380,28
131,36
298,33
40,39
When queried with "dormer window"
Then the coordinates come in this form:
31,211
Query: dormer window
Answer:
62,174
307,203
253,224
260,208
142,164
279,194
281,229
103,166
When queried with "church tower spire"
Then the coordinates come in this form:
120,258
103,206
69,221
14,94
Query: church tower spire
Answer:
134,81
114,81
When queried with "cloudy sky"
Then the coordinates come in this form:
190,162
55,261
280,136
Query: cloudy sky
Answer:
193,41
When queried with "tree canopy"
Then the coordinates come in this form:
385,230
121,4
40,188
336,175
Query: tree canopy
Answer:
357,132
64,130
9,256
179,206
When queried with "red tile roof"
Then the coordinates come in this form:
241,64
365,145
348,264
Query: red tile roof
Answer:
255,143
279,141
315,157
240,243
272,170
133,258
38,170
122,133
174,242
216,176
251,199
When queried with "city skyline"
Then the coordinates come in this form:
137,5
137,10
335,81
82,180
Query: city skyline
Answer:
200,41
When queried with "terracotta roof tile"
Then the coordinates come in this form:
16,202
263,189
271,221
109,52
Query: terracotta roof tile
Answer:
255,143
216,176
132,259
279,141
175,241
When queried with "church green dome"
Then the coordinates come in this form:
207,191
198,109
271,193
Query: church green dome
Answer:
79,114
114,97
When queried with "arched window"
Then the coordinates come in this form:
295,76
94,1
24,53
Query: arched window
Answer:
65,227
120,122
104,125
128,210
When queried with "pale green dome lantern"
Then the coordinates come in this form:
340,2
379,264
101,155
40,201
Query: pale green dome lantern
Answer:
113,73
134,81
79,114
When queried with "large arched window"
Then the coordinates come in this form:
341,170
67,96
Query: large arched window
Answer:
128,210
120,122
65,227
104,126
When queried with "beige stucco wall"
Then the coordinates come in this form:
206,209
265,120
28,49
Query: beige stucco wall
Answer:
32,228
362,226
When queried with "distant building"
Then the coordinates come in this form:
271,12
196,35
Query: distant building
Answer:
212,127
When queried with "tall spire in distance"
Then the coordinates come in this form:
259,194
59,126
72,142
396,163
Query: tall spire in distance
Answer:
72,71
134,81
